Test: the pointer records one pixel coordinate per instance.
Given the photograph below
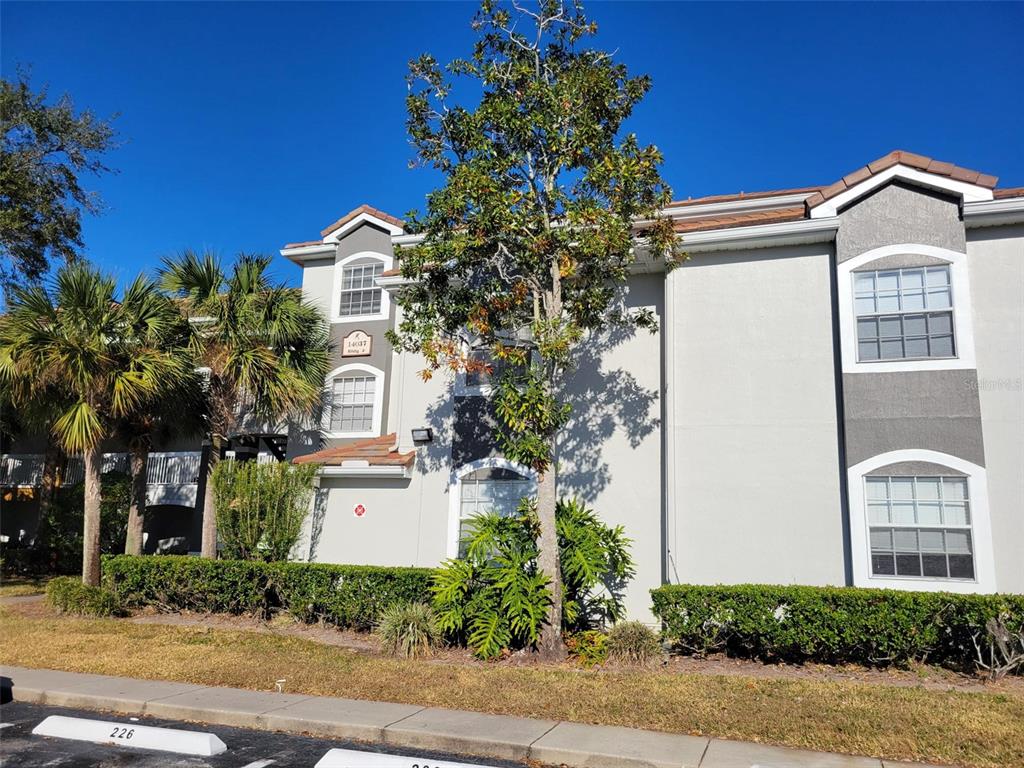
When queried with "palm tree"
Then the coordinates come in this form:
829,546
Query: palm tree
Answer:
176,407
262,348
78,338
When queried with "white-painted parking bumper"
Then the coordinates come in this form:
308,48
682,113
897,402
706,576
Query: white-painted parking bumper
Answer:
131,735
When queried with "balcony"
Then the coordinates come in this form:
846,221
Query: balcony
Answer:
172,476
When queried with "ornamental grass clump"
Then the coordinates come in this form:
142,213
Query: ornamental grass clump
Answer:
634,643
408,630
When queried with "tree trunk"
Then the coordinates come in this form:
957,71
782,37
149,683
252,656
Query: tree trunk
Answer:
53,459
137,507
91,529
550,646
209,513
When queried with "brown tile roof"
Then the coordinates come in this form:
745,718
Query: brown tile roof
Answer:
1002,194
920,162
377,452
742,196
358,211
391,273
777,216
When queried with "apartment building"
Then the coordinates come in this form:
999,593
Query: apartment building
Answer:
834,395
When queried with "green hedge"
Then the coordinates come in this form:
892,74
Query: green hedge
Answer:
831,624
343,595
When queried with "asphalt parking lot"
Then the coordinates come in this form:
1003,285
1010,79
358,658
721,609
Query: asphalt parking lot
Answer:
19,748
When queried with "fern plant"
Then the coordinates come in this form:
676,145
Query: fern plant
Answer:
494,598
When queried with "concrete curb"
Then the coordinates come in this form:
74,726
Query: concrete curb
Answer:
474,733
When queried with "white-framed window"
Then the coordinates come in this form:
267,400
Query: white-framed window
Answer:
357,297
920,526
353,401
492,484
925,530
481,381
904,314
906,318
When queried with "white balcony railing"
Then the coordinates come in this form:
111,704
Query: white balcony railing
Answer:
172,476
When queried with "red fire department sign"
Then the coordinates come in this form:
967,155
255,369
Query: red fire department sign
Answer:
359,510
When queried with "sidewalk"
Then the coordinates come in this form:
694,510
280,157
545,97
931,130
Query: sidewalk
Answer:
407,726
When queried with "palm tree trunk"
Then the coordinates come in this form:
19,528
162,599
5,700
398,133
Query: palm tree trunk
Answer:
91,528
550,646
137,508
53,460
209,513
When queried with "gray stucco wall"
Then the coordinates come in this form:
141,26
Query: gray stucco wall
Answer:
933,410
899,213
996,264
753,421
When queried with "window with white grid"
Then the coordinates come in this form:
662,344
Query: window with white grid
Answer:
352,404
920,527
360,294
904,314
491,489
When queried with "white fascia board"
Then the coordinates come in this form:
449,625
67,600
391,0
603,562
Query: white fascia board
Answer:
726,207
406,240
393,282
968,193
308,252
992,213
362,218
761,235
333,470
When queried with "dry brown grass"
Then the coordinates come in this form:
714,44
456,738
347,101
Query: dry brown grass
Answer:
975,729
17,586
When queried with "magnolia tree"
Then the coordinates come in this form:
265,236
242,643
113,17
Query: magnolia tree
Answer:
527,245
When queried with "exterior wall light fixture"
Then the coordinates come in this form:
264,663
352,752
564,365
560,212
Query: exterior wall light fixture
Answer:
422,435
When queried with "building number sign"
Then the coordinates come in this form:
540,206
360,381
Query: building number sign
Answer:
357,344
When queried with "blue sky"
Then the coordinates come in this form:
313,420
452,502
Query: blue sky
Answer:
249,125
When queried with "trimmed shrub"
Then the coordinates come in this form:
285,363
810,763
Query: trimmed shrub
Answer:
350,596
589,647
832,624
408,629
633,642
68,594
260,507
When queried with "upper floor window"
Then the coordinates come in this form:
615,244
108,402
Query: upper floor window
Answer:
360,295
354,401
904,314
920,527
484,370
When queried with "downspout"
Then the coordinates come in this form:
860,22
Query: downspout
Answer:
837,365
668,496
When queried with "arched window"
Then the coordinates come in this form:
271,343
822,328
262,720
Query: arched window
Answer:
356,293
487,485
920,521
353,401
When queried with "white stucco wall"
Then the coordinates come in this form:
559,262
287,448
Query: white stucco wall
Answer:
754,454
996,264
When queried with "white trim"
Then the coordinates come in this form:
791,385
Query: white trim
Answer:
981,528
378,400
963,317
761,235
344,470
309,252
994,213
385,297
455,493
968,193
363,218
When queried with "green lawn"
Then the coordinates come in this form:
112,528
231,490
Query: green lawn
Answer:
975,729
